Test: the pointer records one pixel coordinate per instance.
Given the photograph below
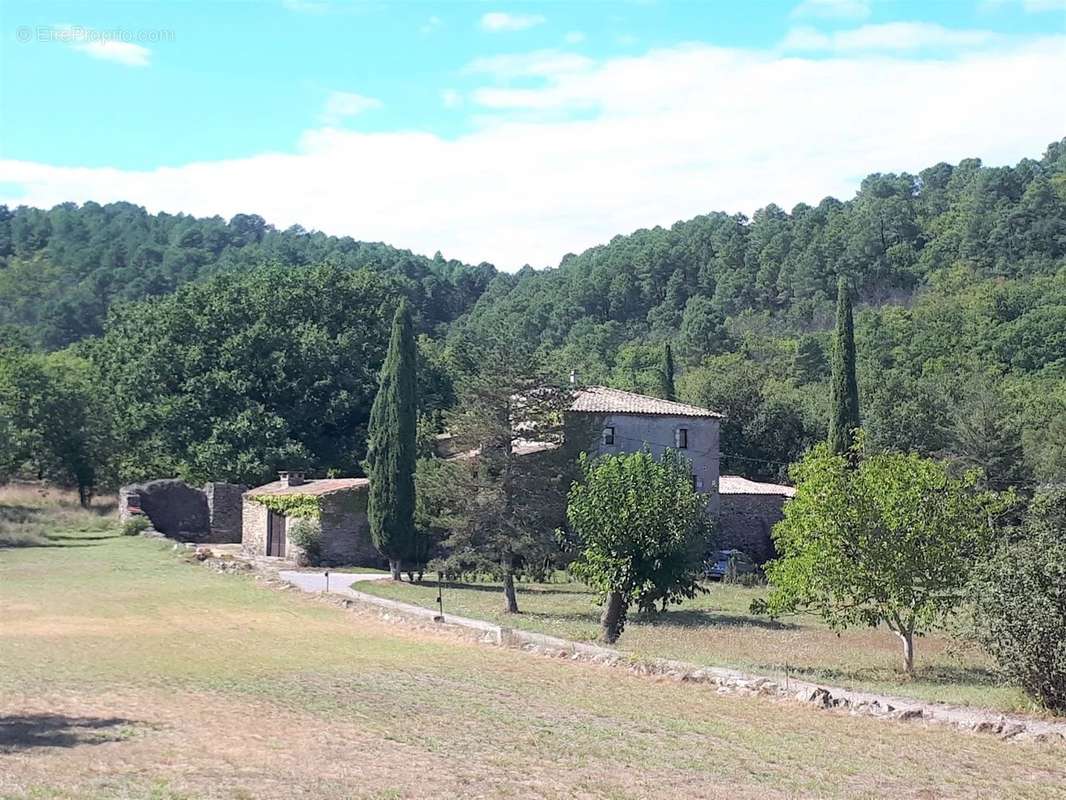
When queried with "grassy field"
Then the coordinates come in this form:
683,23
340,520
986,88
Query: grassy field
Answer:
127,672
716,629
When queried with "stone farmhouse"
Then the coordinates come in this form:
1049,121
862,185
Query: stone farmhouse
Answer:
606,420
629,422
745,510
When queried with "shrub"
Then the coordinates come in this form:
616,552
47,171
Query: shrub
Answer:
135,525
1020,603
307,535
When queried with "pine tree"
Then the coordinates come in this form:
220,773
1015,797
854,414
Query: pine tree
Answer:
391,448
843,388
667,374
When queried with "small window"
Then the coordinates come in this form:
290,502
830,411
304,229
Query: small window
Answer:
695,483
681,438
608,436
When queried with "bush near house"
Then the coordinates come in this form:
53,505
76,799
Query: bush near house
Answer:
1020,603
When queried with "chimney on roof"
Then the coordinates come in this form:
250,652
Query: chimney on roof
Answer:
290,478
573,377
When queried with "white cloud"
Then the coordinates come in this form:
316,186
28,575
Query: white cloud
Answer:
430,25
539,63
833,9
574,37
102,45
887,36
451,98
341,105
497,21
1029,6
306,6
132,55
660,137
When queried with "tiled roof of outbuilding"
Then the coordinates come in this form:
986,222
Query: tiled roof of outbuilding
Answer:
310,487
734,484
601,400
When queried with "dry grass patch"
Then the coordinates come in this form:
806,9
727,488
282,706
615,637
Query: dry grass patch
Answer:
716,629
132,674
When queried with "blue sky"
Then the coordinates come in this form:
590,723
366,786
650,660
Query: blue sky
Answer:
511,132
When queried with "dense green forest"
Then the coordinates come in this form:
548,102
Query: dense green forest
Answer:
62,269
257,348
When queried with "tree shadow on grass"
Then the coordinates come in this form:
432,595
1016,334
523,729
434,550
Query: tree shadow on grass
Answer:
935,675
66,541
495,588
706,619
26,732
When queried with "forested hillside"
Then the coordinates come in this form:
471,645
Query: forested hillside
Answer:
245,364
959,274
60,270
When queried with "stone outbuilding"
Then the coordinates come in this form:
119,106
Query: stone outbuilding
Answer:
338,504
749,510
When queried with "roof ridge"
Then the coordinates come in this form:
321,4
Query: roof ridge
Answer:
591,399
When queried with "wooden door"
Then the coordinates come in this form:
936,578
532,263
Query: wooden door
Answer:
275,534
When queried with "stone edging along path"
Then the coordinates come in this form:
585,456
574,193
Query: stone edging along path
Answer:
1010,727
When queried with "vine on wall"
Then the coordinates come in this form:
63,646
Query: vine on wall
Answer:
304,506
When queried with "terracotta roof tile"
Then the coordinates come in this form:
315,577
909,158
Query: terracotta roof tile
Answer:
601,400
734,484
310,487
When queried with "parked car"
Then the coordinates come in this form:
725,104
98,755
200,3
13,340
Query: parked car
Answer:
717,565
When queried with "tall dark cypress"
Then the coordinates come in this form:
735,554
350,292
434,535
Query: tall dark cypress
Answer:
391,448
667,374
844,389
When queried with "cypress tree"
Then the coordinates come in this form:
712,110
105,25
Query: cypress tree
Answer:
843,388
391,448
667,374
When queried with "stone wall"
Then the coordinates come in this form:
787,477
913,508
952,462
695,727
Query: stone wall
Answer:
632,432
224,511
253,527
174,508
183,512
745,521
346,530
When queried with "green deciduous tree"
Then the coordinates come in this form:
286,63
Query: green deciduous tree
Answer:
391,450
891,541
640,529
843,387
242,375
1019,599
56,420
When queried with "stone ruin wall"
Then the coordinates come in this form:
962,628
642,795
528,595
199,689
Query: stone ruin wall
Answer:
180,511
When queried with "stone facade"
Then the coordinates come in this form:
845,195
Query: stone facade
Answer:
745,522
253,527
346,530
183,512
224,511
342,504
605,421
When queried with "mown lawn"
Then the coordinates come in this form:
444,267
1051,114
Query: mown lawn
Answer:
717,629
128,672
